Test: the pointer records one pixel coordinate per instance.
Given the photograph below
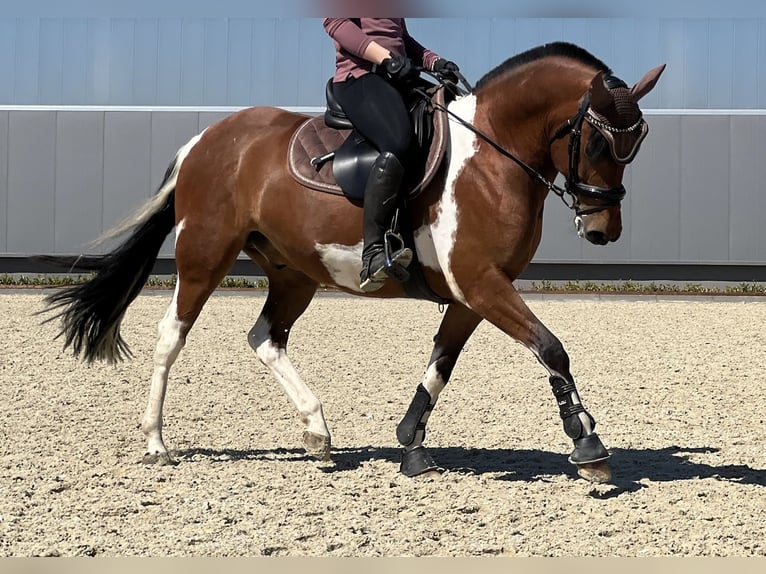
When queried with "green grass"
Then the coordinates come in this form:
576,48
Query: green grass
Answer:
648,288
622,287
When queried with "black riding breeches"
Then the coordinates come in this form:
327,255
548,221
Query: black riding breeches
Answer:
378,112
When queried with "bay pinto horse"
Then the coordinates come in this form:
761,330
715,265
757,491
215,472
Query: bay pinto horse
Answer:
476,227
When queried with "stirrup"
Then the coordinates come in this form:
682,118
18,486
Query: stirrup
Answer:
383,264
398,258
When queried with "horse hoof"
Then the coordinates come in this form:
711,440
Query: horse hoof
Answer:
158,459
596,472
316,445
418,463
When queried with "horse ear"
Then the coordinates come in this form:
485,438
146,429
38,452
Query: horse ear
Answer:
645,84
600,96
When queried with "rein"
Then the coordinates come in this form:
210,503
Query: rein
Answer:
609,196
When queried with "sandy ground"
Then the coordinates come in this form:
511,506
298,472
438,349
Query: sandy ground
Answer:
675,385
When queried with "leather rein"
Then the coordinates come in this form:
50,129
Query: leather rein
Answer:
573,187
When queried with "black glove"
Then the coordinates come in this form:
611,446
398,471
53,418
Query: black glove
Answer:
399,68
446,69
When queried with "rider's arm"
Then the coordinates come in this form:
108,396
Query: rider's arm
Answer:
352,39
416,51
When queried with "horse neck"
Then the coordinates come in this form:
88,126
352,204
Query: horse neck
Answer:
524,107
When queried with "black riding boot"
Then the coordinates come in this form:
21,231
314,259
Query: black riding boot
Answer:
380,197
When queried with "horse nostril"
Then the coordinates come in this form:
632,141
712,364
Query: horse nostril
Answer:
597,237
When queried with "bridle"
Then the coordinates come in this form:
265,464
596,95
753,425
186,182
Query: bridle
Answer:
608,196
573,188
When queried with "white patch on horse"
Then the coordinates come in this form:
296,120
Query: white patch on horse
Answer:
463,146
179,228
343,263
424,245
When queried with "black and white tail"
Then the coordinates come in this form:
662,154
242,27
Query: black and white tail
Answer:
91,313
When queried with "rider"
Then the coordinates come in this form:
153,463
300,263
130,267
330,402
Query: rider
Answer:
375,106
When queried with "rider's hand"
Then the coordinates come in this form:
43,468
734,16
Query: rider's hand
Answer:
446,69
399,68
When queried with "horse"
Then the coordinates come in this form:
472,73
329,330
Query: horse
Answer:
554,109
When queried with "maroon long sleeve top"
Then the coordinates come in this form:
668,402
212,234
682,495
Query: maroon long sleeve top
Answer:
351,41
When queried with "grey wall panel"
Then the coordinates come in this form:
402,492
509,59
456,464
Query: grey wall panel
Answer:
705,188
79,179
747,189
3,182
287,57
146,63
127,164
142,59
207,119
170,131
264,67
74,64
169,61
31,182
216,38
240,58
27,57
192,58
51,67
655,201
7,59
694,190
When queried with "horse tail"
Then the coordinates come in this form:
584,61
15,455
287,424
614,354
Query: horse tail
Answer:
91,313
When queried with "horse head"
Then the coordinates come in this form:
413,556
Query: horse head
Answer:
604,136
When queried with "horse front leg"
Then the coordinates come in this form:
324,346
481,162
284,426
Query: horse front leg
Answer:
493,296
456,327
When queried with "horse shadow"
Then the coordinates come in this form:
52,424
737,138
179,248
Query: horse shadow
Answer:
629,466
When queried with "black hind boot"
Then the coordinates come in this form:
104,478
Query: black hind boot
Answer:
380,199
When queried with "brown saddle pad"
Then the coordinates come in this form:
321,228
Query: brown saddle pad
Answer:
313,139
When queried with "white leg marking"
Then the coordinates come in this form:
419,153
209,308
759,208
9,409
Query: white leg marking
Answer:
463,146
343,263
169,344
308,406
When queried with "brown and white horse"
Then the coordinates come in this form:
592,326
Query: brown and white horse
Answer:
475,228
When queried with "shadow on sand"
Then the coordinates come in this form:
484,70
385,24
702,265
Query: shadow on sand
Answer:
629,466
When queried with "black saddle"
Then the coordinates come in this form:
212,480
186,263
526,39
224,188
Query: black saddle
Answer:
354,159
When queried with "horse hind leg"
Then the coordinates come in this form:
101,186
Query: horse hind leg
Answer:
290,293
170,341
195,283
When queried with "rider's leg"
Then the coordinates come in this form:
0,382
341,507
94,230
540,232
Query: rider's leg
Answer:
380,200
378,112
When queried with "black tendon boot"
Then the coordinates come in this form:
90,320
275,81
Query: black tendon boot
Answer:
380,197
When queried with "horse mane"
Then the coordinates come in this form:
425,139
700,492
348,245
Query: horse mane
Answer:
563,49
